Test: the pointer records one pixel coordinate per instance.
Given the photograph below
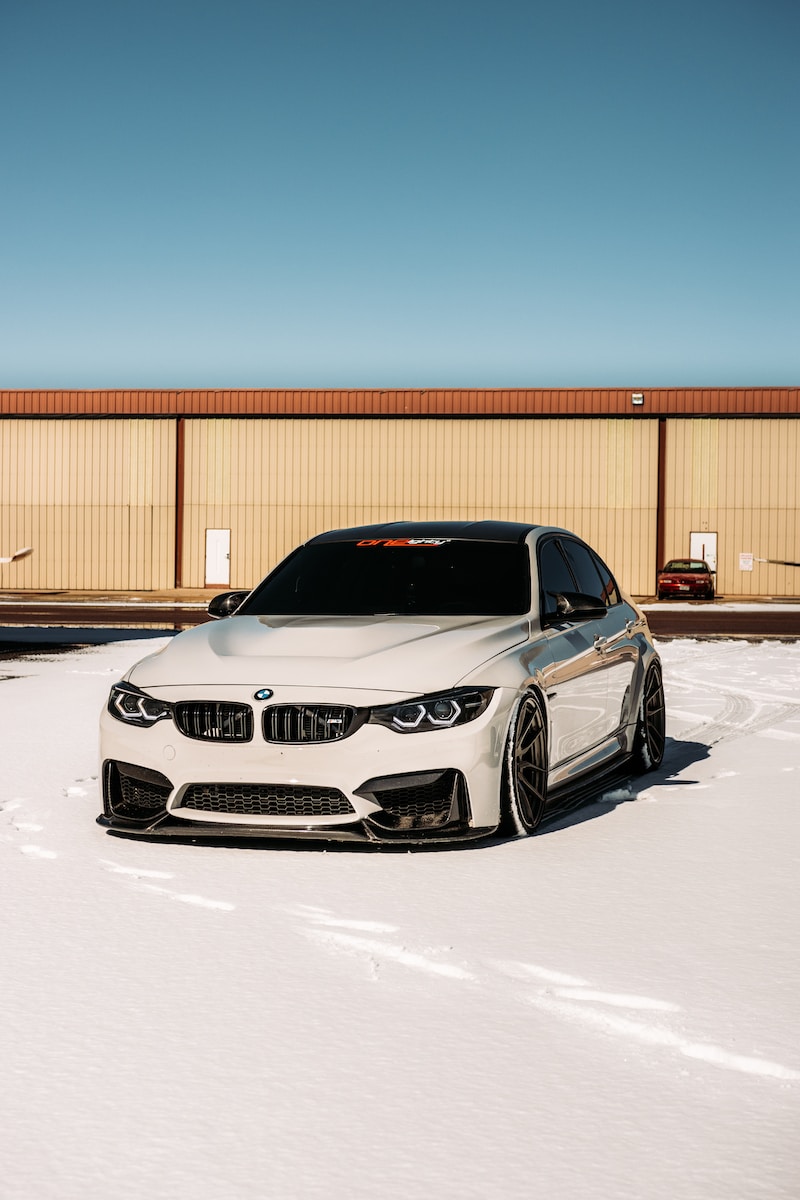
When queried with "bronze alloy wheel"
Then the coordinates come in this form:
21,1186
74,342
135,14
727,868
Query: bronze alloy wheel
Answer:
525,788
650,737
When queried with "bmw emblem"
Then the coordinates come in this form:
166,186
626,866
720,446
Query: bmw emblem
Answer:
263,694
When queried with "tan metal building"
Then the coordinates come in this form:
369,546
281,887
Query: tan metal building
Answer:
124,490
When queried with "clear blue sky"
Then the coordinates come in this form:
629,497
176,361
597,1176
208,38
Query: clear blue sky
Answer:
358,193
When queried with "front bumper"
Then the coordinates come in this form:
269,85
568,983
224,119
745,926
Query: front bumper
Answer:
688,591
422,807
373,786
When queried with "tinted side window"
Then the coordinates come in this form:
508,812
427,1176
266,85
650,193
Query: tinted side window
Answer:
554,576
610,592
584,568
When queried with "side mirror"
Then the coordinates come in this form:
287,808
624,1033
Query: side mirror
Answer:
574,606
225,604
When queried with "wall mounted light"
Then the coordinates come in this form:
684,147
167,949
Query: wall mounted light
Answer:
637,399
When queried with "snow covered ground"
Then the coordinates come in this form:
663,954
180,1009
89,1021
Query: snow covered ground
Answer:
607,1010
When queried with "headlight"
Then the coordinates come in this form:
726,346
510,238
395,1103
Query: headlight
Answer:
133,706
442,711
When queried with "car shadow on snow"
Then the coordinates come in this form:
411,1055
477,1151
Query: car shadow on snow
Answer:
678,756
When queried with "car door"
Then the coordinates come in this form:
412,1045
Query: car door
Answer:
613,641
575,678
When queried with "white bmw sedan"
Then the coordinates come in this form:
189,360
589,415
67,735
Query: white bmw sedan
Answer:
408,682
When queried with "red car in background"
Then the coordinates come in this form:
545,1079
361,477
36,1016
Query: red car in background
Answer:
686,577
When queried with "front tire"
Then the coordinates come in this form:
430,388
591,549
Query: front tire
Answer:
524,790
650,737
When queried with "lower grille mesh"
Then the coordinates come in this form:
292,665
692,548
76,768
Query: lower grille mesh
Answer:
425,802
267,800
430,800
133,793
140,799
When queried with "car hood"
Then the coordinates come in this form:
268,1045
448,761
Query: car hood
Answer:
393,654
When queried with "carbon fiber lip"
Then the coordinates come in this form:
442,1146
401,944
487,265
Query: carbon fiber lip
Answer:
170,829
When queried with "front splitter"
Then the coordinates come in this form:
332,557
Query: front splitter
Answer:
360,834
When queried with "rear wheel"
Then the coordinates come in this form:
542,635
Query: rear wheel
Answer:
524,792
650,737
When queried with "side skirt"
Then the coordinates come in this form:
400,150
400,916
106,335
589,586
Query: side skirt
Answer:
570,796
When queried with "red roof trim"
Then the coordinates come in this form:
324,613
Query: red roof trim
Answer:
406,402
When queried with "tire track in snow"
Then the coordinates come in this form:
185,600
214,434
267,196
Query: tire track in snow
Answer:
566,998
740,717
655,1035
140,879
22,827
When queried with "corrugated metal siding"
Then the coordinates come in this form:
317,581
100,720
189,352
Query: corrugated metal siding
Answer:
96,500
435,402
740,480
275,483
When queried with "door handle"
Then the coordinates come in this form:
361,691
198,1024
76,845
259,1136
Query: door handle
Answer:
600,642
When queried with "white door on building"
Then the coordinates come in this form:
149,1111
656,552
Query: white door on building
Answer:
704,545
218,557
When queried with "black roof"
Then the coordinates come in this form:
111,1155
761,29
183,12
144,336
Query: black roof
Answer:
474,531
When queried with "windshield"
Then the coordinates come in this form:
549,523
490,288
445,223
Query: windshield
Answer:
687,566
434,577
